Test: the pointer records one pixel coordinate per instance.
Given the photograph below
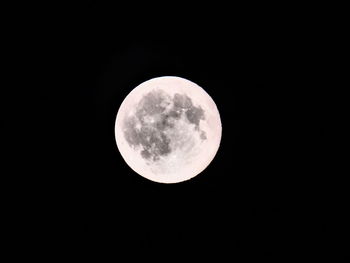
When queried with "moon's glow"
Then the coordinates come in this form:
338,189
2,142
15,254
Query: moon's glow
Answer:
164,129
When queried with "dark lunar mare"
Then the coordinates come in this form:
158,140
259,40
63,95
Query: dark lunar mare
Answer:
151,136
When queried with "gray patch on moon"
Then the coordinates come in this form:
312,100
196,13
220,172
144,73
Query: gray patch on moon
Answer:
157,113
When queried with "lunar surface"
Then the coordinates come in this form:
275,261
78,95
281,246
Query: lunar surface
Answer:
168,129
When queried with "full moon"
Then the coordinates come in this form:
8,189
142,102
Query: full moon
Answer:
168,129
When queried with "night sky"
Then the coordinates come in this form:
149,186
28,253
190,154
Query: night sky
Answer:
263,195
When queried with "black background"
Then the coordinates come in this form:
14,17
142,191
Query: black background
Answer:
263,196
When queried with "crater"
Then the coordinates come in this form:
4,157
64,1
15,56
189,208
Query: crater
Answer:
156,114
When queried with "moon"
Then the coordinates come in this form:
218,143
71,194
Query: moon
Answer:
168,129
